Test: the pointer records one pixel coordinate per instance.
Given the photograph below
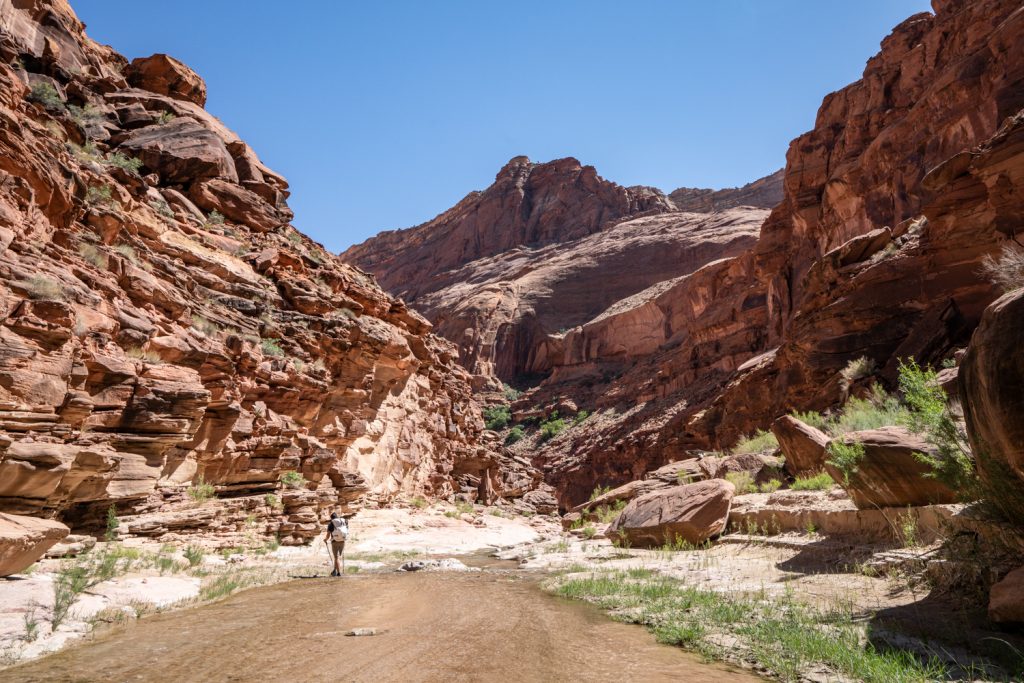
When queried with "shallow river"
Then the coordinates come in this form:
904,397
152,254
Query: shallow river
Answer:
480,626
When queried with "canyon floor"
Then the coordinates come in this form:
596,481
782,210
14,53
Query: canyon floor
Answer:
486,587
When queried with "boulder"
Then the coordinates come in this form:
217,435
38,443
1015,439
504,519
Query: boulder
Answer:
626,492
23,540
801,444
890,474
761,467
1006,599
165,75
692,512
238,205
681,472
991,376
181,151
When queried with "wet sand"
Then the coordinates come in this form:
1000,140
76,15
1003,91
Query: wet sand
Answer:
477,626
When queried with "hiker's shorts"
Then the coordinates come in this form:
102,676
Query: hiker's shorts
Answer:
337,547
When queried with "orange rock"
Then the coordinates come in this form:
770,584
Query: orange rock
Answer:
165,75
692,512
1006,598
23,540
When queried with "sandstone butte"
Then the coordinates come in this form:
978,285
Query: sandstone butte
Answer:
162,326
682,322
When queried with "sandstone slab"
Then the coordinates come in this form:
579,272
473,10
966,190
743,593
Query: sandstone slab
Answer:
23,540
802,445
692,512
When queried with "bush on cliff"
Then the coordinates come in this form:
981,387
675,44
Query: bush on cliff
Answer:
1005,271
497,417
760,442
552,427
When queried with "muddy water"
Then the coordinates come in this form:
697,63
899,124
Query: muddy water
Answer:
480,626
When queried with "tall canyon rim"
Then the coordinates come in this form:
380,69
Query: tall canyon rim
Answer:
165,330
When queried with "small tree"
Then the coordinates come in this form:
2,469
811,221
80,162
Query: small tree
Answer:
112,523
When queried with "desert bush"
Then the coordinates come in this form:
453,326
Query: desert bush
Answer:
112,523
42,288
128,252
743,481
201,491
511,393
552,427
292,479
139,353
858,414
165,117
85,116
194,555
760,442
497,417
272,347
812,418
515,434
98,195
124,162
206,326
599,491
845,457
856,369
931,415
215,218
92,254
770,486
580,417
818,482
1005,271
45,94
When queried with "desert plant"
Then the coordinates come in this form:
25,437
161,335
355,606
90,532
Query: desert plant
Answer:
743,481
819,482
200,491
760,442
215,218
124,162
292,479
497,417
272,501
128,251
112,523
206,326
812,418
139,353
92,254
770,486
879,410
419,502
98,195
856,369
45,94
272,347
165,117
599,491
31,625
552,427
845,457
515,434
931,415
1005,271
194,555
85,153
161,207
580,417
86,115
42,288
511,393
607,513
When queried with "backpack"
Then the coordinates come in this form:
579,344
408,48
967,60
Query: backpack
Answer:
339,529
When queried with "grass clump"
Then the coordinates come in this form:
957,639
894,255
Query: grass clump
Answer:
784,635
770,486
45,94
812,418
81,573
743,481
515,434
292,479
165,117
497,417
856,369
760,442
112,524
206,326
606,514
99,195
93,255
41,288
201,491
124,162
1005,271
419,502
128,252
214,218
272,348
819,482
552,427
140,354
272,501
194,555
879,410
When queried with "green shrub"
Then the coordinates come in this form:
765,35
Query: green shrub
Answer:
515,434
201,491
215,218
856,369
419,502
161,207
292,479
85,116
607,513
819,482
165,117
760,442
272,501
497,417
112,523
845,457
552,427
770,487
124,162
45,94
98,195
43,288
929,414
812,418
880,410
511,394
743,481
580,417
272,347
194,555
93,255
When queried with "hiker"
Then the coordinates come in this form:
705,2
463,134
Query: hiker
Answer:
337,533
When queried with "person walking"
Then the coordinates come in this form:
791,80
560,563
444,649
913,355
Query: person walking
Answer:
337,534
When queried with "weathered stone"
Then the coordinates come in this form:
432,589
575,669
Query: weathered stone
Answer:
182,150
890,474
1006,598
23,540
692,512
165,75
802,445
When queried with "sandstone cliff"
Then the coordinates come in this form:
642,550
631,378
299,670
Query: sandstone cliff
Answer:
163,329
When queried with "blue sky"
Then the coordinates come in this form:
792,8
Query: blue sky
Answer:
383,114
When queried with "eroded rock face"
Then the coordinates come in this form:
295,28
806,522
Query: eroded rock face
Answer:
764,193
148,345
890,473
692,512
23,540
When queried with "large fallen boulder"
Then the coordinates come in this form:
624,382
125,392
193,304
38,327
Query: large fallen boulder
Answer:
23,540
626,492
991,376
165,75
691,512
890,473
1006,599
802,445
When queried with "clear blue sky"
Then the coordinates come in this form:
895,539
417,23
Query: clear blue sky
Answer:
383,114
